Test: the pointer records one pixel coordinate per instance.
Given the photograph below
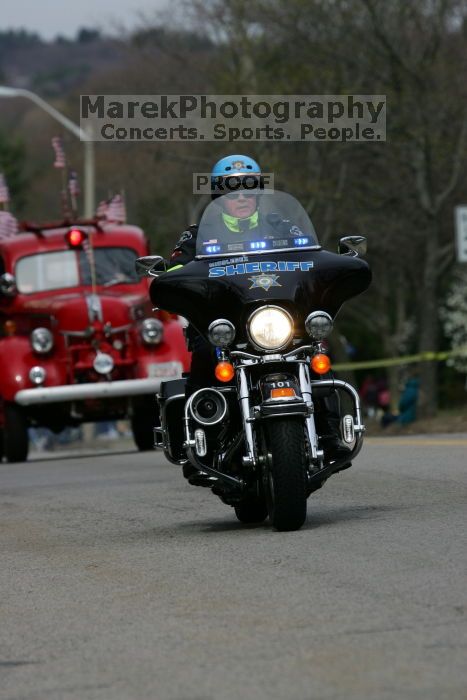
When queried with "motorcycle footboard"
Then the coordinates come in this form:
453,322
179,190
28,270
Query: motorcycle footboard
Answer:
316,480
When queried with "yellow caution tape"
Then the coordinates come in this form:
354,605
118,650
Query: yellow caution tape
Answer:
405,360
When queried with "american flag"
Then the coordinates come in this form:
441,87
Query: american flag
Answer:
101,211
4,193
8,225
60,160
116,210
73,185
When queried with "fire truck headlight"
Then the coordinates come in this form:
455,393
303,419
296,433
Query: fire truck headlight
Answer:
152,331
103,363
42,340
37,375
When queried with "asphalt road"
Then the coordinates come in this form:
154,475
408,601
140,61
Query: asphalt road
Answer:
120,582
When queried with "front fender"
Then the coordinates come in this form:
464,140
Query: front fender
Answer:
16,359
171,349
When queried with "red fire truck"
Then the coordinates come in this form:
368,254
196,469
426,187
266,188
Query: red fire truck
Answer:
79,340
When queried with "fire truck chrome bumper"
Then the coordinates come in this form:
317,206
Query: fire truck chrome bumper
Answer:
97,390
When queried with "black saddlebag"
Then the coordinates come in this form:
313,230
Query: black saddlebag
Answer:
170,435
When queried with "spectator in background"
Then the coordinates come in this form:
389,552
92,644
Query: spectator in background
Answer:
369,395
384,397
408,401
407,404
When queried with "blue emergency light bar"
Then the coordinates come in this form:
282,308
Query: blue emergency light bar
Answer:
301,241
257,245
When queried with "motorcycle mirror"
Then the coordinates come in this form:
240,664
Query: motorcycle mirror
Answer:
8,285
352,245
150,265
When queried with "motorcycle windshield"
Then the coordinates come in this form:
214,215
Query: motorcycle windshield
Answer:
246,222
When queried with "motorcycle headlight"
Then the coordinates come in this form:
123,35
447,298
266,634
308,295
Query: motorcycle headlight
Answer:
152,331
42,340
318,325
221,333
270,328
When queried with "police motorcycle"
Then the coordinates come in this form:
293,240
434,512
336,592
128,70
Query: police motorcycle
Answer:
265,299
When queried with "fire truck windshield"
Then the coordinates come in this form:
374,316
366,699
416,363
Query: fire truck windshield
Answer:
63,269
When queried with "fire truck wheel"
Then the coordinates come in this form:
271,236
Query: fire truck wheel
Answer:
143,420
15,436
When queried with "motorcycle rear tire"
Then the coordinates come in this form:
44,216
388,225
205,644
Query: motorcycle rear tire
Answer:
285,473
252,510
143,419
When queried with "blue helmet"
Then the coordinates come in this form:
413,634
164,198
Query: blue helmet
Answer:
235,165
230,166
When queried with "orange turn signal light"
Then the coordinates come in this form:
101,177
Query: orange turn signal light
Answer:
284,391
320,363
224,371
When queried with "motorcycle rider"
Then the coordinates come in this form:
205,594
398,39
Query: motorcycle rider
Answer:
240,214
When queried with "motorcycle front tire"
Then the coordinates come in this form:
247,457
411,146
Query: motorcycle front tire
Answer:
285,473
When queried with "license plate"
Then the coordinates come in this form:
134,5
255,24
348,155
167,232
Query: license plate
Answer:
164,369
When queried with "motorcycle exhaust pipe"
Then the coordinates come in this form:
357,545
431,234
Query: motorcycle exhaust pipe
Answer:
207,407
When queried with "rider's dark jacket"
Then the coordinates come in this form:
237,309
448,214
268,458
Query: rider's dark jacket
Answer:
223,226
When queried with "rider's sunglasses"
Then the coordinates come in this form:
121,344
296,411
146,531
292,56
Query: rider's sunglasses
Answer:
237,195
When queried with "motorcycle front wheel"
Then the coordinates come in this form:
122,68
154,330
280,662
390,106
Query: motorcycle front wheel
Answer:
285,473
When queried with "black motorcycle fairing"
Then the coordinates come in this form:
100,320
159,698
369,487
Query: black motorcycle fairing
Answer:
323,281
